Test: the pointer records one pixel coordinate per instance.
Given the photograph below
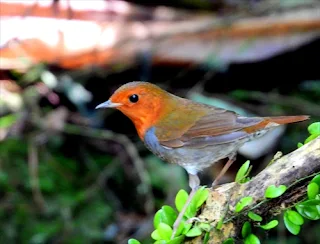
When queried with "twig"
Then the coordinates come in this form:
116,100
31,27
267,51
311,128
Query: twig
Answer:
33,163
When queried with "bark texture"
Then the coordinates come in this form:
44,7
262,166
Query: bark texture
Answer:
291,170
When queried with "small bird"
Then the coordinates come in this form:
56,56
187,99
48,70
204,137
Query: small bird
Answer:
190,134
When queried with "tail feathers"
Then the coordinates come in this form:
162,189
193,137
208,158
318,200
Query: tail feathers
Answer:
287,119
275,121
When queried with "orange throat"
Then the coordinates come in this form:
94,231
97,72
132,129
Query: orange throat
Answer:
141,124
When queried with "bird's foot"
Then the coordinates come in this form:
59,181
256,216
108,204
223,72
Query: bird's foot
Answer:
232,158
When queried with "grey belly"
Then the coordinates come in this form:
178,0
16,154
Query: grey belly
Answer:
200,158
195,159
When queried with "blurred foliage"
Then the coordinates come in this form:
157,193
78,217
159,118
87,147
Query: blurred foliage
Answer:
68,212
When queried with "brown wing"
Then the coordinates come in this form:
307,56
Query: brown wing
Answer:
215,127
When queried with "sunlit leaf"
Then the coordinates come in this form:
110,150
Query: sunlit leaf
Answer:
156,235
133,241
243,203
8,120
308,212
168,215
186,228
181,199
157,218
291,227
219,225
310,138
295,217
164,231
242,171
204,226
314,128
252,239
299,144
176,240
274,192
195,231
313,190
254,216
270,225
201,196
160,242
206,238
312,202
316,179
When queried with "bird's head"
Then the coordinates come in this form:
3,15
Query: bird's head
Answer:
142,102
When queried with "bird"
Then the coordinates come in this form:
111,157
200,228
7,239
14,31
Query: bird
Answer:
188,133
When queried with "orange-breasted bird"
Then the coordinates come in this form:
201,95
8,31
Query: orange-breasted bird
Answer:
190,134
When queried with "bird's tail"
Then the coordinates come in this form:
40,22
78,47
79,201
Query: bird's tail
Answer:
287,119
275,121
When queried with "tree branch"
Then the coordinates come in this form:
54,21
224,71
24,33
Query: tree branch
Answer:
294,170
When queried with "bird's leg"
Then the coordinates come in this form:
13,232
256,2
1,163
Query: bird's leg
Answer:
194,184
232,158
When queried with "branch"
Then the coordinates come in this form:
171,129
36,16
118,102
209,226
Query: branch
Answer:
294,170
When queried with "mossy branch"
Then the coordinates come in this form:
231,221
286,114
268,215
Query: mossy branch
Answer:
294,170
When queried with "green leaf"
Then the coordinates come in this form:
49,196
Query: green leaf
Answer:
308,212
313,190
312,202
254,217
186,228
274,192
176,240
246,229
219,225
206,238
294,217
201,196
242,171
205,227
157,218
270,225
299,144
191,210
161,242
195,231
165,231
156,235
182,228
229,241
168,215
291,227
310,138
8,120
133,241
243,203
316,179
251,239
314,128
181,199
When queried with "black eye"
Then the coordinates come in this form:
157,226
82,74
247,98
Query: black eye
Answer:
134,98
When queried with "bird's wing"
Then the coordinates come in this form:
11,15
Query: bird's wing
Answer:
217,126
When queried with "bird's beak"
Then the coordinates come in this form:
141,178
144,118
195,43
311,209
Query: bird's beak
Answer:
108,104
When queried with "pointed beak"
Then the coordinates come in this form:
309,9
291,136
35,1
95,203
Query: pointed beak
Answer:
108,104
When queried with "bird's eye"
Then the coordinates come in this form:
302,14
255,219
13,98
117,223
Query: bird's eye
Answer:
134,98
